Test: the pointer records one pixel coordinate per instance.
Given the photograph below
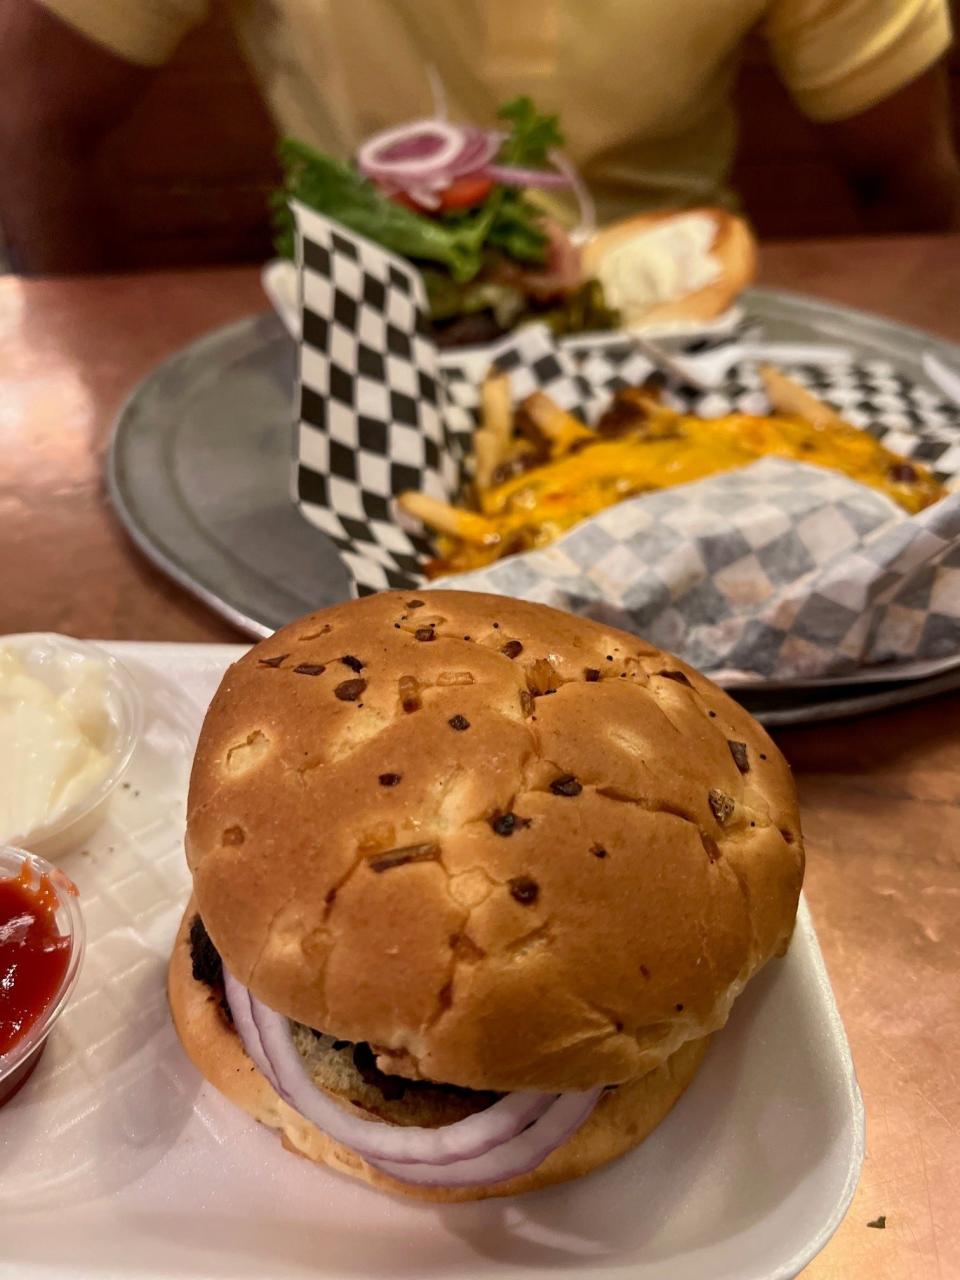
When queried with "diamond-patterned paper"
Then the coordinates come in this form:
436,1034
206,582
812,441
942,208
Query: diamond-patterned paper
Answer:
778,571
708,571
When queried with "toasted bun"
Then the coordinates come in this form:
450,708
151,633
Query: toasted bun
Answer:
734,248
621,1120
647,875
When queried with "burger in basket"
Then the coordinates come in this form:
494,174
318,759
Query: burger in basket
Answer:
474,881
484,215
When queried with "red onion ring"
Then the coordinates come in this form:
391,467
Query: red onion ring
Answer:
512,176
588,210
463,1140
479,148
426,156
510,1159
238,998
431,146
425,196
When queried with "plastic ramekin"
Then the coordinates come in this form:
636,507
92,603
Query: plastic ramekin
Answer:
38,653
17,1064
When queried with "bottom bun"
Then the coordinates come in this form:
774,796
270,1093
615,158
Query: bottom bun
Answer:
623,1117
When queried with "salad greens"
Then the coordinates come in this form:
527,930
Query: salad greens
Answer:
336,189
532,136
473,260
504,221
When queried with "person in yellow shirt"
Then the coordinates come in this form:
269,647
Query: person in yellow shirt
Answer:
642,88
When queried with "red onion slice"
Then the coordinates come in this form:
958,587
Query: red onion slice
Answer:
425,157
513,176
510,1159
238,998
424,196
479,148
411,152
462,1140
588,210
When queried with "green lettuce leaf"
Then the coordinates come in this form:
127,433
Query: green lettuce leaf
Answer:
338,191
531,135
505,221
517,229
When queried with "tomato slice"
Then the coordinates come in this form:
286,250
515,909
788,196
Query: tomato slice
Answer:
463,192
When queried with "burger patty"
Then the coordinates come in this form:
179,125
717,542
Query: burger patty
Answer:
207,965
204,956
349,1069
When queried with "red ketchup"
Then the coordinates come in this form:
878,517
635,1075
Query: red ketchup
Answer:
34,955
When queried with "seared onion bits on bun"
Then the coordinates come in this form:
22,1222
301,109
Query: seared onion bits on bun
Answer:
474,882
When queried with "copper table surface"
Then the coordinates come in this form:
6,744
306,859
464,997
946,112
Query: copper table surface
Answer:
880,795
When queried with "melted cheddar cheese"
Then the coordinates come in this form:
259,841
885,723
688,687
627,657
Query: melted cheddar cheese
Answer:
532,509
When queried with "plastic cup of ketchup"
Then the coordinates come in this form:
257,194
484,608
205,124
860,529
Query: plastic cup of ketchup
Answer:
41,949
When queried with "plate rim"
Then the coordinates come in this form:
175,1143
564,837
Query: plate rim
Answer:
127,410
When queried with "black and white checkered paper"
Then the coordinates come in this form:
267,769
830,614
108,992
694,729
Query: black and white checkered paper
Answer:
777,571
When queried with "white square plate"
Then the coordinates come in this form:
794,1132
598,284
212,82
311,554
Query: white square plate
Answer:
117,1160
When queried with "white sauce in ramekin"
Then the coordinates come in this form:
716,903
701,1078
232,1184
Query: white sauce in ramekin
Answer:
53,744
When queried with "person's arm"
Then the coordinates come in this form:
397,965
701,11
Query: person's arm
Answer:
60,93
900,158
869,73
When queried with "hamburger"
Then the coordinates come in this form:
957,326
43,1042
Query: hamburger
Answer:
475,210
474,882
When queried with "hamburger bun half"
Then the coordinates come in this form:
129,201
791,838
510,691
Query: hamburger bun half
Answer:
647,277
508,848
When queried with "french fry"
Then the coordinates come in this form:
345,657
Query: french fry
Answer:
546,483
465,525
487,456
789,397
491,440
560,428
638,412
495,415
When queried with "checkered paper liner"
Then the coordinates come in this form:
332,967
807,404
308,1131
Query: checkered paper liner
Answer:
778,571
